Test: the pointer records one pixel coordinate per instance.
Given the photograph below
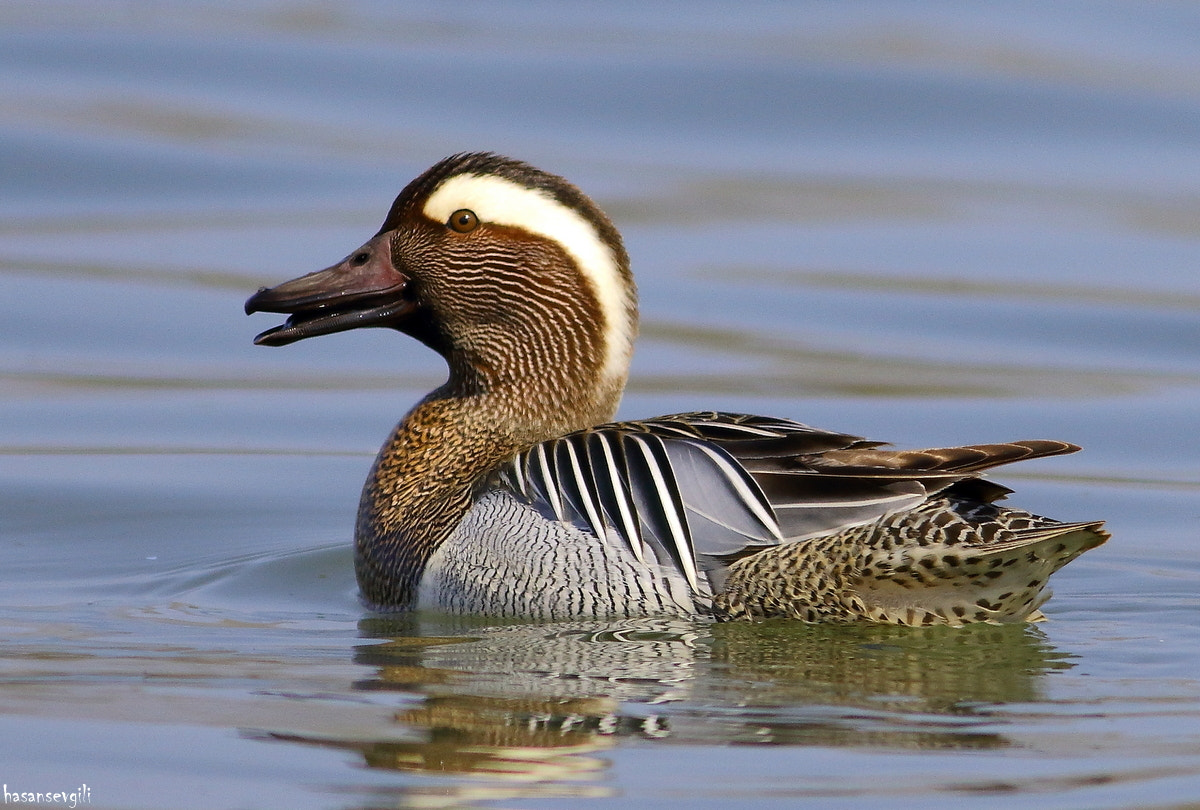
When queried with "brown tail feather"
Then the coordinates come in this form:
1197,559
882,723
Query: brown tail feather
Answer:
968,459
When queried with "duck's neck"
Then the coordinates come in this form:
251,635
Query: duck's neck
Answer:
425,476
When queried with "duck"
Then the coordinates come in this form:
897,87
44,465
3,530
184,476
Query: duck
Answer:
510,491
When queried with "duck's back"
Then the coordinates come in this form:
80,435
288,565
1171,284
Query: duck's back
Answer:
661,518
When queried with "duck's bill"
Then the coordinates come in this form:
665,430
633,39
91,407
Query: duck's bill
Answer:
363,290
327,320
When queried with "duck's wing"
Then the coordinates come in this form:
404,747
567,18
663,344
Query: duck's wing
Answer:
702,489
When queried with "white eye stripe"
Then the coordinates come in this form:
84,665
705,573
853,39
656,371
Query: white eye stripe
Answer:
503,202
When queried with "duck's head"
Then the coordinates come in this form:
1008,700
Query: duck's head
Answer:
512,274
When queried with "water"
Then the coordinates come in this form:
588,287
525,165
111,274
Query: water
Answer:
938,224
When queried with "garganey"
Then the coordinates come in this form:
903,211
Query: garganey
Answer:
509,490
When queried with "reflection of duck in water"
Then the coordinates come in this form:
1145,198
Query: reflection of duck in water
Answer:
506,492
539,702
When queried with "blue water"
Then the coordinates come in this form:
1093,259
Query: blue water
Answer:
930,224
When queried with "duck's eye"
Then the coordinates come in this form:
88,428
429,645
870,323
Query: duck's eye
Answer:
463,220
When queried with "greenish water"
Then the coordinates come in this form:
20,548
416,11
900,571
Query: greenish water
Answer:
931,225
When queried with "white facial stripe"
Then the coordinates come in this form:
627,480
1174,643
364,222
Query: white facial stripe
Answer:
494,199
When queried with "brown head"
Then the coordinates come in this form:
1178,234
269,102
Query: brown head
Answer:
512,274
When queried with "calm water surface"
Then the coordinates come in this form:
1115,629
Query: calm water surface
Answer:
931,225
